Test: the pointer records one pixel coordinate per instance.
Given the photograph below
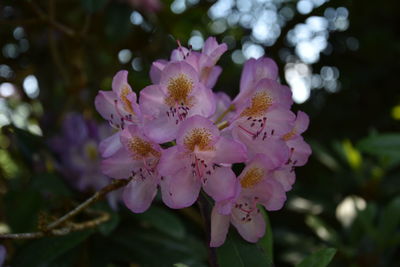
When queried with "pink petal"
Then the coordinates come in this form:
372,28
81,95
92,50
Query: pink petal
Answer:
172,161
210,77
221,184
300,151
152,100
105,105
120,80
301,123
213,49
161,129
139,193
251,230
285,176
254,71
180,190
223,101
156,70
110,145
120,165
229,151
204,102
269,192
219,228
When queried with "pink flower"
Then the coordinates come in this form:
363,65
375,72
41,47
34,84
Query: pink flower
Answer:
138,157
299,149
223,102
178,96
258,186
203,62
119,108
255,70
198,160
263,119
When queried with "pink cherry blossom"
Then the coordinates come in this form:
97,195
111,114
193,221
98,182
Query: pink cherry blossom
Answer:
198,160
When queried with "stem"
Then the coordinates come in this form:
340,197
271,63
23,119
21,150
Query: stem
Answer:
52,229
222,116
204,207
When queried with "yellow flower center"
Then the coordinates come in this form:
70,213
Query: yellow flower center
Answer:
124,99
289,135
198,137
260,103
141,148
252,177
179,89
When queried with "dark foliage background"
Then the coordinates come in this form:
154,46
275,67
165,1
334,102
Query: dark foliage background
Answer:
56,55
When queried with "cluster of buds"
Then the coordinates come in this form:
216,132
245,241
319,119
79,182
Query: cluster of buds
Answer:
181,137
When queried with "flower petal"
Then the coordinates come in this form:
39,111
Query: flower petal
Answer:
120,165
180,190
219,228
110,145
300,151
172,161
156,70
152,100
139,193
221,184
204,102
229,151
161,129
250,230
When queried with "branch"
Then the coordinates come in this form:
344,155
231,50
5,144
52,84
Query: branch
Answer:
52,229
50,19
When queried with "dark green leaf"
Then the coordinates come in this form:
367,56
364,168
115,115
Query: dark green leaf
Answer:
387,145
165,221
92,6
267,241
389,221
320,258
236,252
43,251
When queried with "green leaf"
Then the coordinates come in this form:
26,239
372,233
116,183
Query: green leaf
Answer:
51,184
389,222
118,23
43,251
92,6
320,258
236,252
267,241
386,145
165,221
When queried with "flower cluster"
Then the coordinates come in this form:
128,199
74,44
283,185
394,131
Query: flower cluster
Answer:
76,148
182,137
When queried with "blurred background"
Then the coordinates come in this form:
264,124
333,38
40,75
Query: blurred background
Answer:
339,57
